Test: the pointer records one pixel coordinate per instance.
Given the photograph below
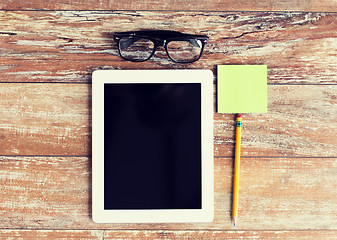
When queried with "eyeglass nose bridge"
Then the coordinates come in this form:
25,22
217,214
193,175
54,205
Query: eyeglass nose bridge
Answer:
160,47
159,42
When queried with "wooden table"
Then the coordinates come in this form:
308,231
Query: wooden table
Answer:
48,50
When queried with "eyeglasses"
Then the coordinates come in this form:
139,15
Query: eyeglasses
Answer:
140,46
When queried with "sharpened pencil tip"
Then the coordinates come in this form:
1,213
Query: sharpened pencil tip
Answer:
234,221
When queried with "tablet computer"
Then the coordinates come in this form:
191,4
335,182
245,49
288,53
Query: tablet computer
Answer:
152,146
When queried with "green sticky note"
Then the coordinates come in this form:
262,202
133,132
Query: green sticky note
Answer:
242,89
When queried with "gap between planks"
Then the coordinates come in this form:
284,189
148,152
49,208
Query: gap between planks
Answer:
165,10
90,156
170,229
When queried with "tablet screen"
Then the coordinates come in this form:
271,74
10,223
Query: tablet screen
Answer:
152,146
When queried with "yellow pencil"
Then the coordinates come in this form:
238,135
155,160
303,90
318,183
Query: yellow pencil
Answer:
237,168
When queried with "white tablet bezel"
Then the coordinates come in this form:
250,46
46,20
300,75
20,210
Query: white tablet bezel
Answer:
99,78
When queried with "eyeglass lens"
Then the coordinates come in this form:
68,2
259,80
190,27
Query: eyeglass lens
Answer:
136,48
140,49
184,50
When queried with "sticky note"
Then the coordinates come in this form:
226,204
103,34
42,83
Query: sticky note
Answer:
242,88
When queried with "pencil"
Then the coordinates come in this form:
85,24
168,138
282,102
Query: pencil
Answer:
237,169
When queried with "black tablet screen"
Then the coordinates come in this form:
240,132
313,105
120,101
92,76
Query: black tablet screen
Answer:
152,146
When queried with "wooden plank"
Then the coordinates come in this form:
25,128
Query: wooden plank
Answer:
44,193
229,234
55,119
45,119
301,121
275,193
51,234
166,234
212,5
66,46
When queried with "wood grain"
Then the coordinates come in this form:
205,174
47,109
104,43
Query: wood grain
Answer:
44,192
205,234
165,234
45,119
275,193
211,5
66,46
301,121
288,170
52,234
55,119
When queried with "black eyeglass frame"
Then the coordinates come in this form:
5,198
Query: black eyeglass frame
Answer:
161,38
